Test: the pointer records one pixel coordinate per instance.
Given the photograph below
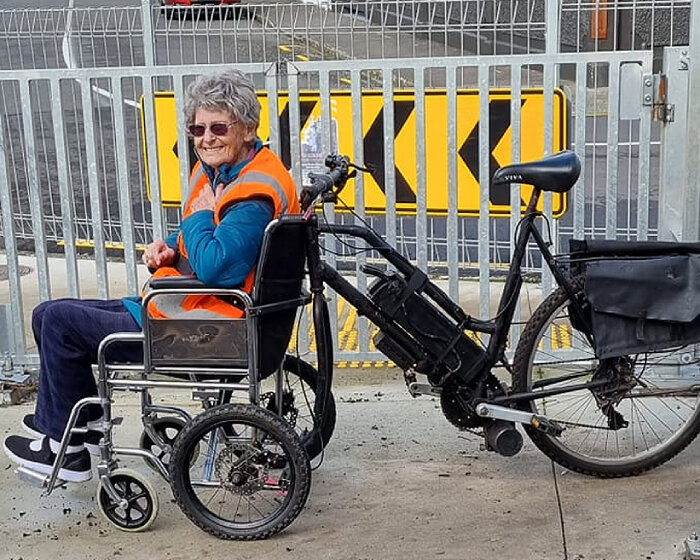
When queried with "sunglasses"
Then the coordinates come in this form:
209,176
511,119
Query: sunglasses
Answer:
217,129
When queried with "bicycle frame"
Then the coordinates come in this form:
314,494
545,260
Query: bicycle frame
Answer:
321,273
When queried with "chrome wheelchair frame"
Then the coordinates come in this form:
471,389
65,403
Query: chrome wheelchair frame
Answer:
223,348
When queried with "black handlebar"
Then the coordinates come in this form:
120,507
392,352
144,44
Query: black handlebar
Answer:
323,183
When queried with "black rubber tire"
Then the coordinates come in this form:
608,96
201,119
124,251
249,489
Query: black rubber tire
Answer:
313,437
140,495
296,467
551,316
164,427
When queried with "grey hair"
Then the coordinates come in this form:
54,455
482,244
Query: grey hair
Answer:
230,91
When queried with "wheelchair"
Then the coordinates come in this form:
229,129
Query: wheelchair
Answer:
237,470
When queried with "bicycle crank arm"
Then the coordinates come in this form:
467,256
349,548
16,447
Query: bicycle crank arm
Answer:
496,412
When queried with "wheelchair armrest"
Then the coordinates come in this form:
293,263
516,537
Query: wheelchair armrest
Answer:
191,285
169,282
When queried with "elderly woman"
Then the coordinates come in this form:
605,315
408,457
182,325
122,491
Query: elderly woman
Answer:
236,188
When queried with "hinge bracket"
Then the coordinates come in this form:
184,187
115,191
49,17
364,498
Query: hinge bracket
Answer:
654,95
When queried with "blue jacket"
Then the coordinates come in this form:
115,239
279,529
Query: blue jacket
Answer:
222,256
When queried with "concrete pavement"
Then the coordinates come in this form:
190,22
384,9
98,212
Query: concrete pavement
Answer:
397,481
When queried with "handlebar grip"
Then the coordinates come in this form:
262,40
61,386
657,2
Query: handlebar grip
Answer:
320,184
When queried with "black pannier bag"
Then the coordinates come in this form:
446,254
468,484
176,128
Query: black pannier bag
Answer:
445,348
643,297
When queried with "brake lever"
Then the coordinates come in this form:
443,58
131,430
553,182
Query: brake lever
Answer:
360,168
337,191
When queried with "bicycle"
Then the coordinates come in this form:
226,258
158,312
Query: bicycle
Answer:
607,415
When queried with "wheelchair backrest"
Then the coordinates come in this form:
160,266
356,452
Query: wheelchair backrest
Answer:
278,279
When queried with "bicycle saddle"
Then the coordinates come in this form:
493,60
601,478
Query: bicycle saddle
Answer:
555,173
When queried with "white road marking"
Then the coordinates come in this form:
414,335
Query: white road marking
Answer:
67,51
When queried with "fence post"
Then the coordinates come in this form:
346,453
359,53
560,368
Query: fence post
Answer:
692,143
147,24
552,27
673,186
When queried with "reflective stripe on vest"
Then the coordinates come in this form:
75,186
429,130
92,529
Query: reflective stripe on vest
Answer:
260,178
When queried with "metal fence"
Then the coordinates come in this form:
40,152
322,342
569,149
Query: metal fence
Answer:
105,167
73,163
337,30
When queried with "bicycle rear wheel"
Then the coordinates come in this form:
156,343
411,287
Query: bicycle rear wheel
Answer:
646,415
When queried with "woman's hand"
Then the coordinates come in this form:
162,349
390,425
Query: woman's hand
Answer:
206,200
158,254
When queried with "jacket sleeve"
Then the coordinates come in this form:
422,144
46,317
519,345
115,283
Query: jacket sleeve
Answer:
171,240
222,256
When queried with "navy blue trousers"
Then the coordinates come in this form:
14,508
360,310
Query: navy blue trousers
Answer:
67,333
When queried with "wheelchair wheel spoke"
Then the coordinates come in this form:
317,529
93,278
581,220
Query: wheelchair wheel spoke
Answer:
243,486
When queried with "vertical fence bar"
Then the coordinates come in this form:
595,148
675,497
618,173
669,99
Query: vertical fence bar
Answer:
97,217
552,26
484,241
452,199
292,73
148,36
67,206
549,80
272,89
359,155
294,122
124,187
8,225
692,147
421,177
157,217
579,191
613,151
643,169
389,166
515,188
324,87
182,140
36,204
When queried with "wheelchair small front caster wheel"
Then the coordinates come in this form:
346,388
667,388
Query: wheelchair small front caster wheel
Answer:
138,505
166,430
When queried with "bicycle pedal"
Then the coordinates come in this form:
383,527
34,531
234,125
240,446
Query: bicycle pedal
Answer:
546,426
418,389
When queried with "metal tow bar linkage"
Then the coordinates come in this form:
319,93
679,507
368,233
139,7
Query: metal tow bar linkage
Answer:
504,413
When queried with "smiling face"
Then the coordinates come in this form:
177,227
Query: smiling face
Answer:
231,148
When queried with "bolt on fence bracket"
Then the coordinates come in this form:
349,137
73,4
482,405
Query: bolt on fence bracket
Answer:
654,95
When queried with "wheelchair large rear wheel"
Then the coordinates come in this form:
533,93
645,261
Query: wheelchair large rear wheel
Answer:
300,380
250,477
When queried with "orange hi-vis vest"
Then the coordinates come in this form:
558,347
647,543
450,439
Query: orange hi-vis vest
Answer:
264,177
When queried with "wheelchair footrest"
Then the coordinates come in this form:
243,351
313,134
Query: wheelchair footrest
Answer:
32,477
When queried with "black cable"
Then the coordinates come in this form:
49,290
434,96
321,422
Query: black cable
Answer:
561,512
318,429
358,250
